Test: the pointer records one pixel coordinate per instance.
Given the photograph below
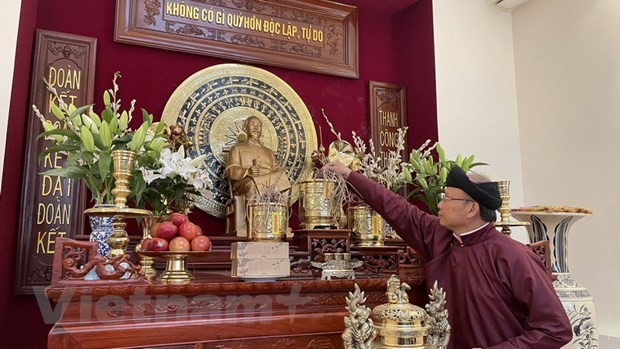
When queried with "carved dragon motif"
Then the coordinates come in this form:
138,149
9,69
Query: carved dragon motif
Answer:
359,331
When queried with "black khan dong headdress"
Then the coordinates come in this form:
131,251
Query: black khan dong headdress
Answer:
486,194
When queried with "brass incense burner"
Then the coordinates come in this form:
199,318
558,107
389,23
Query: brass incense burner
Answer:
397,323
367,225
317,207
267,221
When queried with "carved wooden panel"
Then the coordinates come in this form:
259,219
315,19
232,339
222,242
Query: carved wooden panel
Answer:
377,260
388,112
330,341
312,35
313,243
209,312
51,206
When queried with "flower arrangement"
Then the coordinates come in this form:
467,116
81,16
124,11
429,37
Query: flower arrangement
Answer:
430,175
387,171
87,139
167,181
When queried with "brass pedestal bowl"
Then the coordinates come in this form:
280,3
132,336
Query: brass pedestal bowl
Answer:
176,266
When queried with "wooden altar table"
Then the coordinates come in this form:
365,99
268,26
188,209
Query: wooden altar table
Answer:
214,311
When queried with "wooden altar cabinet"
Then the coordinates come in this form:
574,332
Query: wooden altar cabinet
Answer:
213,311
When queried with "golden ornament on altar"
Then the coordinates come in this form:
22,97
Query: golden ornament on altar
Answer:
176,264
397,323
342,151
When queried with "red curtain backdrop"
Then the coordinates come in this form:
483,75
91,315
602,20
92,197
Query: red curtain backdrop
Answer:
395,46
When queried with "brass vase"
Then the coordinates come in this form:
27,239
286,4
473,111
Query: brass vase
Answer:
317,206
368,226
267,221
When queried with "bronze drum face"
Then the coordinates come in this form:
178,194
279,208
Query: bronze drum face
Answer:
211,106
317,206
368,227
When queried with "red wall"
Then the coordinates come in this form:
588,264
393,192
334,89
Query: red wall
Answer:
394,48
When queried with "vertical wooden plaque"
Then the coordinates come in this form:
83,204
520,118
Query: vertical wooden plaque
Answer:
388,112
51,206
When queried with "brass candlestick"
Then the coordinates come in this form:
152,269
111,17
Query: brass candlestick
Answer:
124,161
146,261
504,194
504,209
123,166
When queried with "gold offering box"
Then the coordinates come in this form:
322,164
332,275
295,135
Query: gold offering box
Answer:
240,250
260,261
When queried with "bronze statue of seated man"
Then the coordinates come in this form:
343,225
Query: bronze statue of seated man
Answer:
251,167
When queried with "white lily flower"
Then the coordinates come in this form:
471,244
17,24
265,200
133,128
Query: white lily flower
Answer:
185,168
150,175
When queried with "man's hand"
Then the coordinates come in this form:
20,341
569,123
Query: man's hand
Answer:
339,168
254,170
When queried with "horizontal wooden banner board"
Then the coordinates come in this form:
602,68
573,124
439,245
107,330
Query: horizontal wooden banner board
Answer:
311,35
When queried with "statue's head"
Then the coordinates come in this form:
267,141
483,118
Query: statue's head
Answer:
253,127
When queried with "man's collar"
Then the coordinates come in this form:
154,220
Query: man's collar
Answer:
458,237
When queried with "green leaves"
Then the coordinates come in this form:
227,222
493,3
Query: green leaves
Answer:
57,112
87,139
66,148
430,174
138,138
105,163
106,98
122,122
105,134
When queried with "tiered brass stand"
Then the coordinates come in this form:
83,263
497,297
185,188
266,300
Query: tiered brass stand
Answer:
123,166
504,210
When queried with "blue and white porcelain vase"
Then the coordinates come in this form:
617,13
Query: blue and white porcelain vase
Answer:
101,229
577,301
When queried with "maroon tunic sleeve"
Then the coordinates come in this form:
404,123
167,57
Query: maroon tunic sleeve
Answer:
546,324
419,229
